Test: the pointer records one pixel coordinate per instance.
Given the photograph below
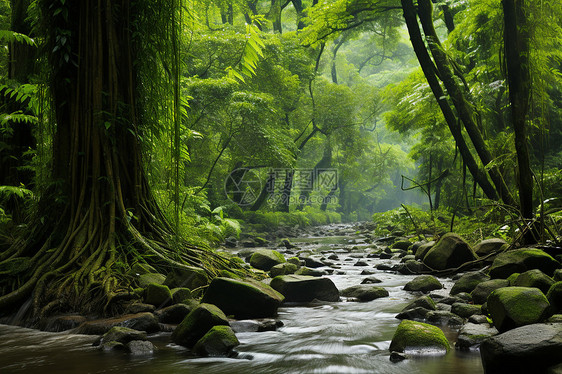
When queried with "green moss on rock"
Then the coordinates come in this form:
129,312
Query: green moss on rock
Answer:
265,259
521,260
158,295
412,335
218,341
197,323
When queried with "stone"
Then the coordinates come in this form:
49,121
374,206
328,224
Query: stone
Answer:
465,310
243,298
197,323
180,294
141,321
401,244
527,349
113,346
483,290
253,325
441,306
219,341
149,278
364,292
534,278
265,259
283,269
423,283
443,317
140,348
478,319
451,251
411,267
485,247
301,288
423,249
173,314
312,263
418,336
295,260
417,313
384,267
158,295
122,335
557,275
425,302
512,307
468,282
311,272
138,307
370,280
140,269
472,335
188,277
554,296
521,260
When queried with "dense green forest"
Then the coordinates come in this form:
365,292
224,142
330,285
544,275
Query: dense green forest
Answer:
149,131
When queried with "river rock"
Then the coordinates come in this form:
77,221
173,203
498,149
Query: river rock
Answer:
197,323
417,313
188,277
310,272
312,263
265,259
218,341
422,301
370,280
401,244
158,295
283,269
483,290
512,307
418,337
302,288
527,349
443,317
140,269
557,275
243,299
521,260
534,278
122,335
451,251
485,247
140,348
150,278
173,314
465,310
423,249
364,292
423,283
468,282
255,325
181,294
554,296
141,321
471,335
411,267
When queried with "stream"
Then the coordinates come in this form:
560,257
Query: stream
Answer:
341,337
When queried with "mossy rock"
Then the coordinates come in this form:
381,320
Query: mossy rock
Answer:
512,307
465,310
265,259
158,295
150,278
451,251
534,278
471,335
413,336
554,296
422,250
197,323
468,282
295,260
485,247
364,292
243,299
521,260
484,289
219,341
401,244
283,269
423,283
310,272
13,266
180,294
511,279
122,335
140,269
189,277
302,288
425,302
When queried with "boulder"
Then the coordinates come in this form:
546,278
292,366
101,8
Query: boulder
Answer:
483,290
140,269
283,269
149,278
180,294
451,251
417,313
173,314
468,282
140,348
527,349
471,335
253,325
465,310
521,260
485,247
311,272
188,277
554,296
140,321
418,336
425,302
312,263
137,307
243,299
411,267
512,307
534,278
218,341
423,249
401,244
443,317
197,323
122,335
371,280
364,292
265,259
423,283
557,275
302,288
157,295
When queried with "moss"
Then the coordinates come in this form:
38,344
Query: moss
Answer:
179,294
265,259
512,307
511,279
15,265
218,341
158,294
148,278
415,335
197,323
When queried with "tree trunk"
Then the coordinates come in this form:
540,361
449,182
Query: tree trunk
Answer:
285,201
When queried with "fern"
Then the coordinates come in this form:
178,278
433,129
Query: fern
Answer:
253,50
7,191
8,36
16,117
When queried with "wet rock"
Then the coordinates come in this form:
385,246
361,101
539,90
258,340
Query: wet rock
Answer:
243,299
139,269
287,244
158,295
197,323
385,256
312,263
150,278
423,249
384,267
188,277
557,275
471,335
443,317
451,251
301,288
370,280
412,335
441,306
521,260
534,278
485,247
465,310
218,341
422,301
417,313
283,269
173,314
361,263
252,325
401,244
265,259
364,292
527,349
122,335
512,307
423,283
450,300
310,272
141,321
180,294
411,267
554,296
468,282
138,307
230,242
397,356
140,348
113,347
478,319
483,290
367,272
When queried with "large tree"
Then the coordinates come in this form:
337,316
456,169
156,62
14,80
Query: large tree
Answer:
100,216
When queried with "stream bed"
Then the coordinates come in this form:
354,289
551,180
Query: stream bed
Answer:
340,337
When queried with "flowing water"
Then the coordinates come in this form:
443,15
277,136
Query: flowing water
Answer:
342,337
